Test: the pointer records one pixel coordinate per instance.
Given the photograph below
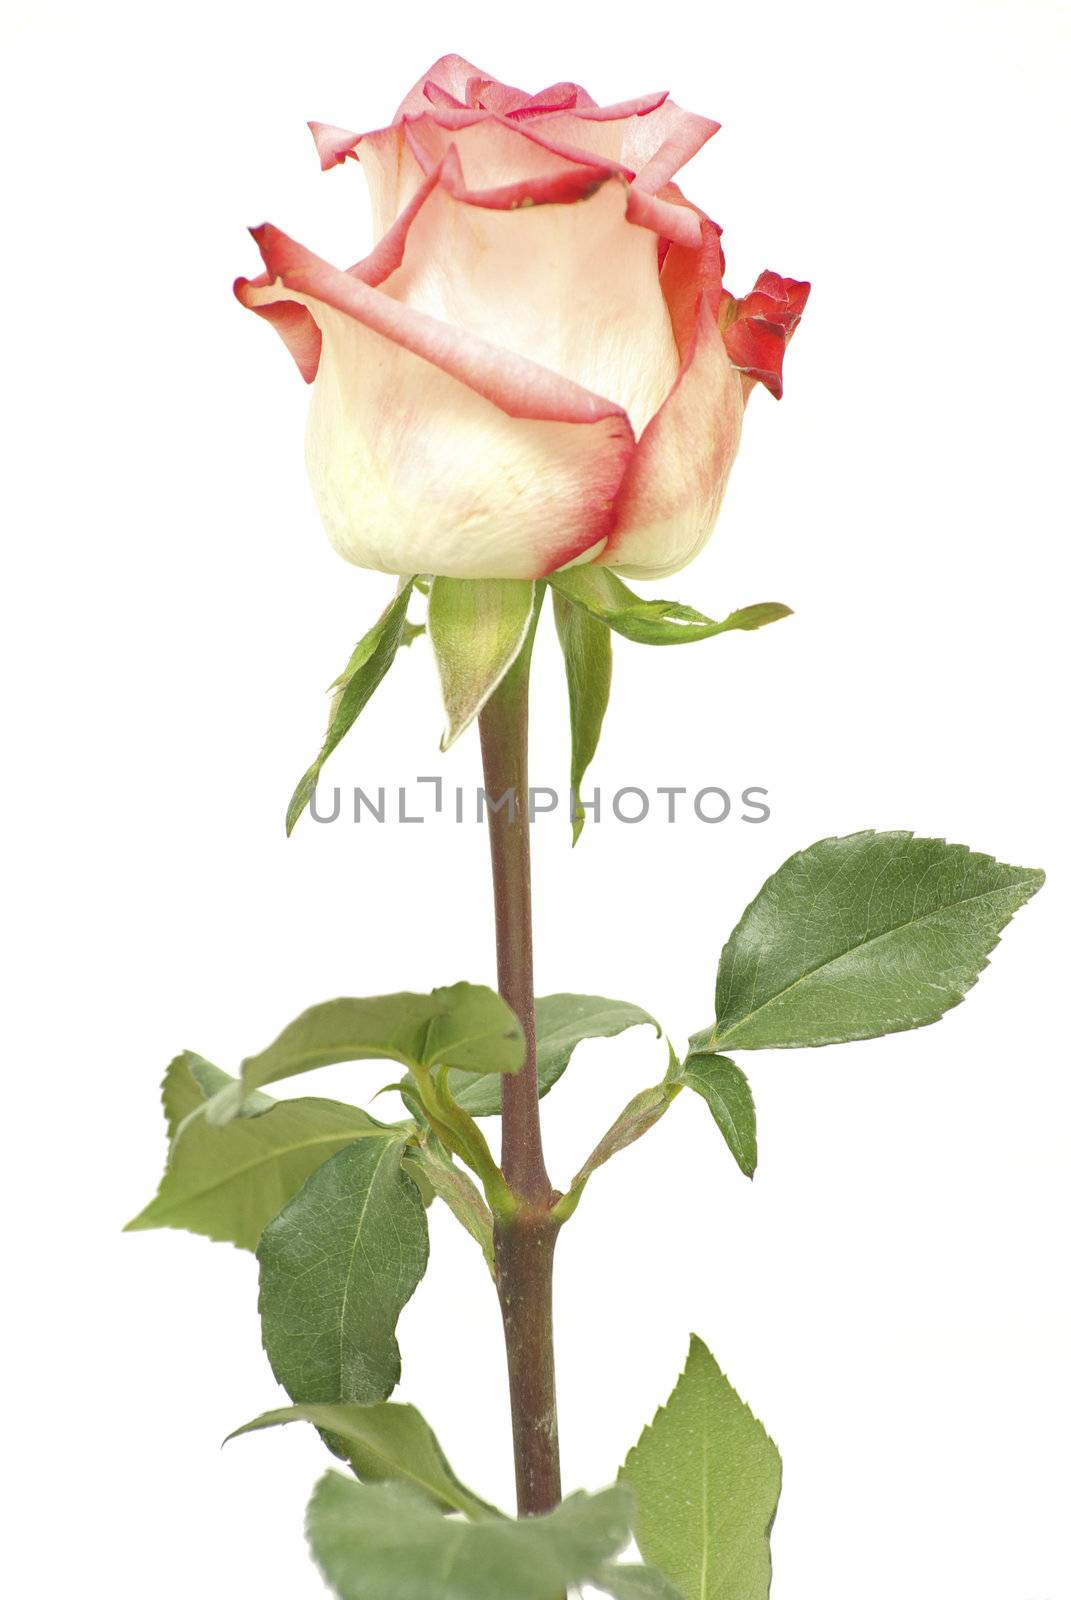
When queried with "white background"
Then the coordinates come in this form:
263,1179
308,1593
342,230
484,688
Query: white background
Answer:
891,1293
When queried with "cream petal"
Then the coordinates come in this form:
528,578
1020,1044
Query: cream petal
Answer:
430,451
573,287
413,471
669,501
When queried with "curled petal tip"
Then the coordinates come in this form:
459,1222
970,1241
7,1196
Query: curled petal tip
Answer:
333,144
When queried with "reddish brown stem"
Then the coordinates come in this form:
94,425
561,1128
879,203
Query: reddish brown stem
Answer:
524,1240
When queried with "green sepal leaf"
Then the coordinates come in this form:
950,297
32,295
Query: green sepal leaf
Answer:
336,1268
384,1444
562,1021
862,936
586,647
601,593
430,1164
706,1479
477,628
367,667
229,1182
641,1114
386,1542
465,1026
727,1092
636,1583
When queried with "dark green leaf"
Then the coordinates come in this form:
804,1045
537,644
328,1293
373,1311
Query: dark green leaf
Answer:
336,1268
862,936
585,643
390,1543
385,1443
706,1479
601,593
465,1026
229,1182
477,627
368,666
728,1094
562,1022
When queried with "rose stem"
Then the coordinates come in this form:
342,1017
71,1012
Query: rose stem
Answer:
524,1240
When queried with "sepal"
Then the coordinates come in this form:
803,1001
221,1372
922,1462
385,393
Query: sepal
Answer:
353,688
477,628
603,595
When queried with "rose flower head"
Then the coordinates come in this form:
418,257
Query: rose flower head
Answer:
538,363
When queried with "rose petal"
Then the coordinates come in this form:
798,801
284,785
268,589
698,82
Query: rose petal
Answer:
292,322
653,143
567,286
450,73
757,328
488,94
642,106
432,451
506,164
558,97
669,501
499,154
333,144
649,138
440,98
660,144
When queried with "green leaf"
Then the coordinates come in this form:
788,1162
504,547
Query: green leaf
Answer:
385,1443
433,1166
862,936
636,1583
367,667
562,1021
641,1113
601,593
182,1092
336,1268
477,627
229,1182
191,1083
585,643
212,1081
466,1026
706,1479
389,1543
728,1094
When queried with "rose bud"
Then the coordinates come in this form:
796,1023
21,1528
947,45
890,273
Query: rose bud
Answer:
537,364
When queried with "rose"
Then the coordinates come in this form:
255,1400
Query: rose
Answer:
537,363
